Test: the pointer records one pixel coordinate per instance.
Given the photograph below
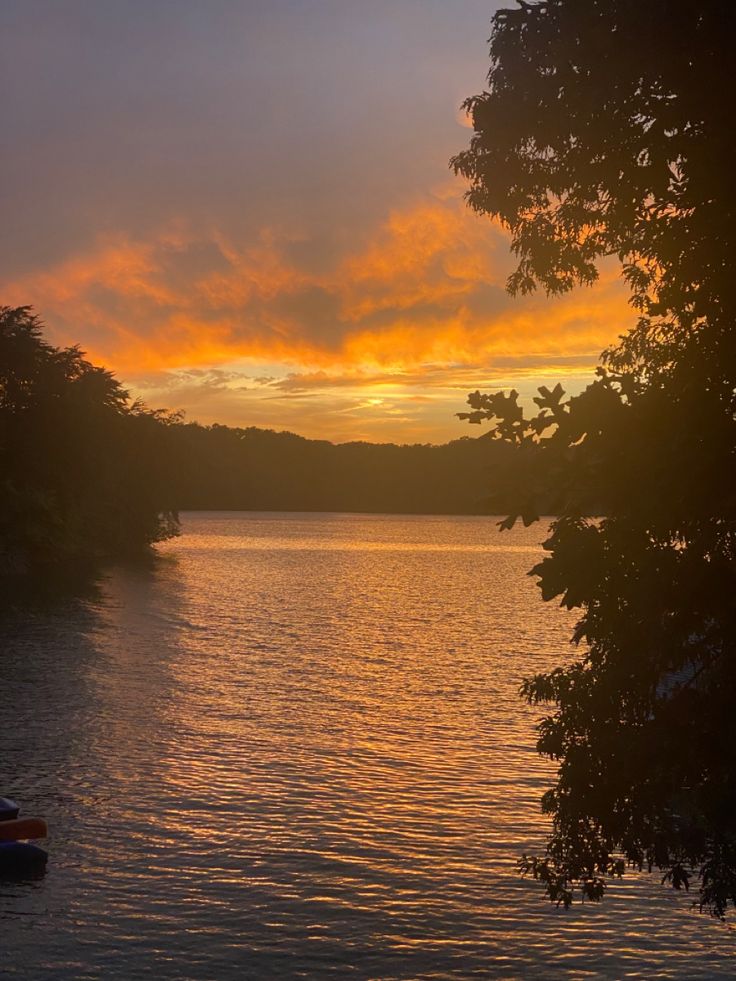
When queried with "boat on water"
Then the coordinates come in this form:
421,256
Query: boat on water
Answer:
17,854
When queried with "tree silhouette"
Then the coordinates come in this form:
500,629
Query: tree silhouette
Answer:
83,471
604,132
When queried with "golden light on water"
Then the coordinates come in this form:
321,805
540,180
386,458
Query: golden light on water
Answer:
302,733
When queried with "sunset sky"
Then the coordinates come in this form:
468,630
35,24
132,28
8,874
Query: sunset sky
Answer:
244,209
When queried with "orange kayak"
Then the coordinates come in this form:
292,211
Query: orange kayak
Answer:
22,828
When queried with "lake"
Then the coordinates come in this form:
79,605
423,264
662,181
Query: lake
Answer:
293,747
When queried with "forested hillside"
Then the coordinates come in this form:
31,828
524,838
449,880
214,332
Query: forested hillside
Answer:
218,467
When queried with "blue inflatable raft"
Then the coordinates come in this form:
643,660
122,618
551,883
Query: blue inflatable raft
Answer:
18,857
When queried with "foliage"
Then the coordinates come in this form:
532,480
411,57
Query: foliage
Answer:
603,133
82,470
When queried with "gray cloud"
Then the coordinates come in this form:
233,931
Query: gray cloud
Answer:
315,116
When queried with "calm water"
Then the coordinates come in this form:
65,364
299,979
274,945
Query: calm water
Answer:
293,748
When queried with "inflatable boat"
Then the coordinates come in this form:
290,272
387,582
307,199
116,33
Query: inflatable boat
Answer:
17,855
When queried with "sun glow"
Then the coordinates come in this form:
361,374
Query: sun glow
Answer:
246,332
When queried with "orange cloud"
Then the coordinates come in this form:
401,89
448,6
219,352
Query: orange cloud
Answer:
427,289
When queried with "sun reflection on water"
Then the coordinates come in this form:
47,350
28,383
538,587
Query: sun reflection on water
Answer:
295,747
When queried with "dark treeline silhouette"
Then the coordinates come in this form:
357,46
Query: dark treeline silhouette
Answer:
86,472
83,471
606,131
219,467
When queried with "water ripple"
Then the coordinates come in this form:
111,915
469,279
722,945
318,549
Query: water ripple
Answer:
295,748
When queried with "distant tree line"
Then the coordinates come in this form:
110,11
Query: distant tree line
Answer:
219,467
86,472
